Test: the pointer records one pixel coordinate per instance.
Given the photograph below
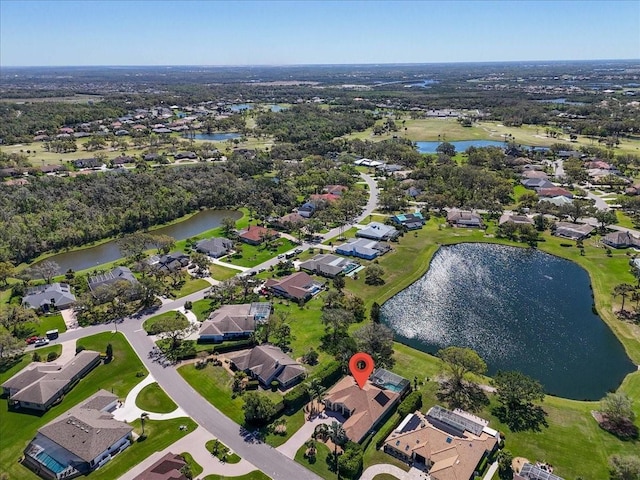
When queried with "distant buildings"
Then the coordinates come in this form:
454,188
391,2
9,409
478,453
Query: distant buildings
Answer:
573,231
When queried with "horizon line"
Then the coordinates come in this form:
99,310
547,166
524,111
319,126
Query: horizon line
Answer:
279,65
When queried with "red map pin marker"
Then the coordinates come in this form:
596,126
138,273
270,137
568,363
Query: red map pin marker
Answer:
361,365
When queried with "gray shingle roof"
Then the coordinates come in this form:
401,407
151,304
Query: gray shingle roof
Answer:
268,362
118,274
42,295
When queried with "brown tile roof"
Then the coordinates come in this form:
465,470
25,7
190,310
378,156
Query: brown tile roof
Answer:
295,285
367,405
554,192
166,468
257,233
268,362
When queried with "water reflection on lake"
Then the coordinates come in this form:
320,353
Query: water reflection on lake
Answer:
520,309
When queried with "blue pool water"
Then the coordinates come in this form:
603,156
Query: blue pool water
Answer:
50,462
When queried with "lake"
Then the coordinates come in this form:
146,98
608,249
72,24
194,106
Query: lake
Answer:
217,137
520,309
109,251
461,146
240,107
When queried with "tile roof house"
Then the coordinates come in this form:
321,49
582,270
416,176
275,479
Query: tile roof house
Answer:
215,247
297,286
620,240
363,248
328,265
411,221
53,295
166,468
80,440
118,274
39,386
267,363
170,263
463,218
335,189
364,408
378,231
288,220
530,174
447,445
234,321
553,192
574,231
255,234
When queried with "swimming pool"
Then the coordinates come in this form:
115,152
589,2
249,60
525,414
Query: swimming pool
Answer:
51,463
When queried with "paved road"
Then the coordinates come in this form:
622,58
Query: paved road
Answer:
264,457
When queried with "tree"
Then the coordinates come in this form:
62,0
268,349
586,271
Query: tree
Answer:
624,467
336,322
144,416
605,218
12,317
447,149
374,313
164,243
618,415
46,270
350,462
576,209
623,290
339,282
505,460
200,260
134,245
7,270
455,391
10,346
109,352
460,361
258,408
516,393
316,390
174,330
373,275
228,227
376,340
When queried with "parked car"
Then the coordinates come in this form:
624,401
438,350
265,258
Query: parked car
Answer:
297,251
41,342
31,340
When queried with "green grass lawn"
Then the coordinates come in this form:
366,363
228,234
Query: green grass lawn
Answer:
118,376
214,384
8,370
317,464
255,475
195,467
47,322
384,476
191,285
153,398
222,453
222,273
255,255
150,322
624,220
159,435
202,309
293,422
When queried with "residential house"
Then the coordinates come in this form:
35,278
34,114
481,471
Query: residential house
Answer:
49,297
118,274
87,163
620,240
411,221
366,162
564,154
169,467
48,169
413,192
516,219
363,248
464,219
267,363
234,321
185,156
335,189
557,201
446,444
535,472
551,192
170,263
329,265
80,440
122,160
307,209
378,231
151,157
255,234
40,385
298,286
536,183
364,408
534,174
573,231
215,247
289,220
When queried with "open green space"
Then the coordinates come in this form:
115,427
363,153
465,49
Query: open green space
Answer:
252,255
219,272
317,464
384,476
221,451
190,285
46,323
255,475
118,376
158,436
293,422
149,323
153,398
201,309
195,467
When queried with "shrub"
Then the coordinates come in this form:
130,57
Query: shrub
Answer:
274,385
80,348
410,404
386,431
233,346
252,385
109,351
311,357
36,357
52,356
188,305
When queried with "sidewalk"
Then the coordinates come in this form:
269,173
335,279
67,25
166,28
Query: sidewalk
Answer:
194,443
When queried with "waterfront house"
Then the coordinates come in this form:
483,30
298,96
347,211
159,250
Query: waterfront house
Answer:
170,263
620,240
363,248
573,231
411,221
464,219
328,265
215,247
118,274
378,231
255,234
515,219
297,286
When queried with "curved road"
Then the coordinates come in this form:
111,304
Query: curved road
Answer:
264,457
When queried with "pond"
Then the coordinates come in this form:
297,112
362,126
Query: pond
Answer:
217,137
461,146
109,251
520,309
240,107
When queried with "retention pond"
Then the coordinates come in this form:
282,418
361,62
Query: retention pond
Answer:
520,309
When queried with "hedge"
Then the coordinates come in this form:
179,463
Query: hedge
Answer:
298,396
410,404
385,432
233,346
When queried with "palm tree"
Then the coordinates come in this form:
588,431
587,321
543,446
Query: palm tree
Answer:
316,390
338,436
622,290
144,416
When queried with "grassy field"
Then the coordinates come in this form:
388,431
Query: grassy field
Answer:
195,467
150,322
318,464
255,255
153,398
47,322
118,376
255,475
191,285
201,309
219,272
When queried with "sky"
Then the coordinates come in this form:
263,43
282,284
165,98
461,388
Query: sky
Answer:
148,32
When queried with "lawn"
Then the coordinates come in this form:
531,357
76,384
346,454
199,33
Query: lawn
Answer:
293,422
118,376
191,285
153,398
222,452
149,323
47,322
318,464
214,384
222,273
202,309
624,220
253,255
195,467
255,475
159,435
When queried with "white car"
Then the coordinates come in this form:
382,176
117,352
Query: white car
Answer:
40,342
